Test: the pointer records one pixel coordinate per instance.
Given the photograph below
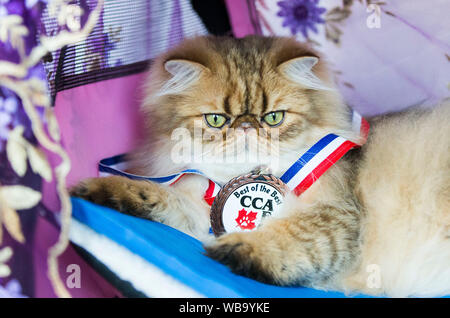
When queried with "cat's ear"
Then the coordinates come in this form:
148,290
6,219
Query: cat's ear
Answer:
184,74
300,70
182,67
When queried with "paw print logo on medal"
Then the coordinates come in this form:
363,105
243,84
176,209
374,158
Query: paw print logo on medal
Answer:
246,220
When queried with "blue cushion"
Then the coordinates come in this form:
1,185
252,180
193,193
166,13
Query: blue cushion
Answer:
180,255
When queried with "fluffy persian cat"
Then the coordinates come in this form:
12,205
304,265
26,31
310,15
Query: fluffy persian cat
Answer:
376,222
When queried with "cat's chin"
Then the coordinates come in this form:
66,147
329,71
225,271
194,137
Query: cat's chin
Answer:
223,172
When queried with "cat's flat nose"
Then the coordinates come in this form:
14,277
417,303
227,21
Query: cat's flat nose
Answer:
246,126
245,122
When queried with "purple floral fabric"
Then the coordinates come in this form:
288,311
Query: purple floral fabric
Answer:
385,55
12,115
127,32
17,277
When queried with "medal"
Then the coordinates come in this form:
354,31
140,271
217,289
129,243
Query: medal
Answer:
243,203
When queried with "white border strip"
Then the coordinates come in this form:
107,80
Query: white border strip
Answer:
356,122
130,267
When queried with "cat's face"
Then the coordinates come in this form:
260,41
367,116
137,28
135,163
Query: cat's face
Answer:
244,103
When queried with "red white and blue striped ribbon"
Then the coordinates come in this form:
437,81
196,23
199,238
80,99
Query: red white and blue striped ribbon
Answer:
115,166
299,177
321,156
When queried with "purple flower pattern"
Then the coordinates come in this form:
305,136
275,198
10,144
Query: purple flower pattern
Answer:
12,289
301,15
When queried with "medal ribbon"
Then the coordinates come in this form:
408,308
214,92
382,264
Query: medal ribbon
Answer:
321,156
299,177
115,165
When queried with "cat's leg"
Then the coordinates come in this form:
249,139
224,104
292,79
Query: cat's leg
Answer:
307,248
148,200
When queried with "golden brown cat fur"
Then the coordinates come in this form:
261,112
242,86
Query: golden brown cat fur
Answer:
377,222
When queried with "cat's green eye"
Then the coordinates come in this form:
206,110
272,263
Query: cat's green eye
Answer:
274,118
215,120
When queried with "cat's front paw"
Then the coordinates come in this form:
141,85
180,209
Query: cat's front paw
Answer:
245,254
140,198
